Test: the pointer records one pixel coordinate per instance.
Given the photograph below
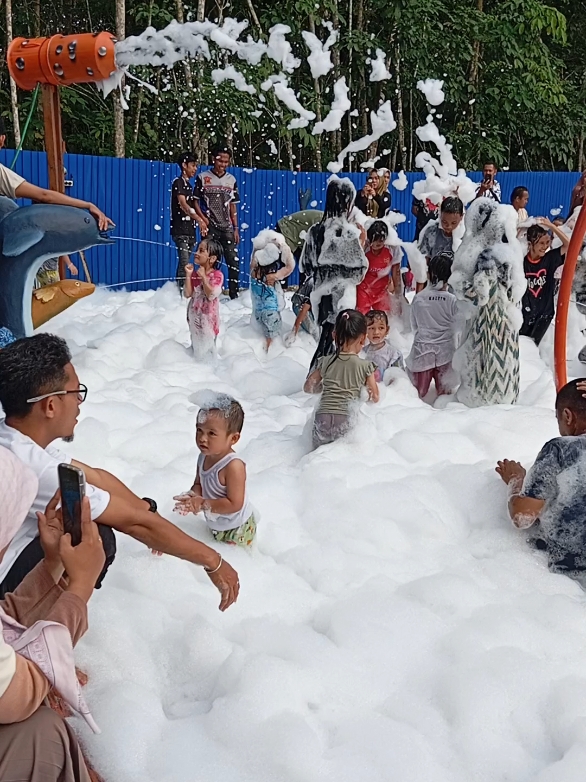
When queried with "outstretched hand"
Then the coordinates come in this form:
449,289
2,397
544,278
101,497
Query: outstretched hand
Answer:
511,471
189,502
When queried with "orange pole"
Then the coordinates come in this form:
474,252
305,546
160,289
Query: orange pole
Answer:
561,319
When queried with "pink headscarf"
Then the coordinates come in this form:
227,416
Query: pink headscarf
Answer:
47,644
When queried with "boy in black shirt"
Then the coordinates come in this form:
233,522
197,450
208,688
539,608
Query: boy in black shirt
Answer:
540,266
551,497
183,215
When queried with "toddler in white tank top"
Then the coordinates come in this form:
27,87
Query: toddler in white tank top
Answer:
219,489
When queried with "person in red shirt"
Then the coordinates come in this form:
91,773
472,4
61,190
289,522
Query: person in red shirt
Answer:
383,272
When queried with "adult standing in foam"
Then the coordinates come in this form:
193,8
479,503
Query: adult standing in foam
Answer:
487,276
333,256
218,191
183,215
41,394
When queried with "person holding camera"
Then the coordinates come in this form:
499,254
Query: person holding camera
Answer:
489,187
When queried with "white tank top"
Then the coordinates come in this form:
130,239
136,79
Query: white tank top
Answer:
212,489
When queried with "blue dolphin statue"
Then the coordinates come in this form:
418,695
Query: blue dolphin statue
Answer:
29,236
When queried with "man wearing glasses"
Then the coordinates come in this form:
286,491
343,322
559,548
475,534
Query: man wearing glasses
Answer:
41,395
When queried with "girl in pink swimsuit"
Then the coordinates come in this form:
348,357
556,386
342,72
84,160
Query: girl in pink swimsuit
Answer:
203,287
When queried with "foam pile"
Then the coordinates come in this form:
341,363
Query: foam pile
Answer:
391,622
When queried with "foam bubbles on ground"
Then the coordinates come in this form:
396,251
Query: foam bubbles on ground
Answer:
391,623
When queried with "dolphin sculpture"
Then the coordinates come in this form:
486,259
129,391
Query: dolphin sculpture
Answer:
28,237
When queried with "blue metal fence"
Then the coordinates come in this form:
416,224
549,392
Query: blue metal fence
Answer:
136,193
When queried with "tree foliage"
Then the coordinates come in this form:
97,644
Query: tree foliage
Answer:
515,82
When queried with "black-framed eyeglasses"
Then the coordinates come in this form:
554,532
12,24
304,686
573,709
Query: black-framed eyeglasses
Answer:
81,394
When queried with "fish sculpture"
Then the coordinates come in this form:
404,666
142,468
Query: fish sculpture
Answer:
28,237
53,299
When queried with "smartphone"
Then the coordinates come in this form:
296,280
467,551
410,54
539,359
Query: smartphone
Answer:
72,487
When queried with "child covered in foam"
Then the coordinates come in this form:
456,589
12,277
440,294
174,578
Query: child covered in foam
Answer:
551,497
272,261
219,489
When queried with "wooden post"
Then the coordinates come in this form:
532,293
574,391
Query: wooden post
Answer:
54,145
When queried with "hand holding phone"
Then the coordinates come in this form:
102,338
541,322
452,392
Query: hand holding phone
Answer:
72,488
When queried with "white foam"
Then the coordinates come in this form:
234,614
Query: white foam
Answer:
391,620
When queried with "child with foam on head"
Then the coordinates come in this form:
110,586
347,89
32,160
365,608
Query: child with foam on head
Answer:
435,323
219,489
203,287
340,379
271,262
383,274
551,497
378,349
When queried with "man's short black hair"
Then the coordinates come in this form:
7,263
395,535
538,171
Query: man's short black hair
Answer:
569,398
490,163
186,157
30,367
221,148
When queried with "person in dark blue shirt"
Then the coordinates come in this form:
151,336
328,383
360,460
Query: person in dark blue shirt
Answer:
551,497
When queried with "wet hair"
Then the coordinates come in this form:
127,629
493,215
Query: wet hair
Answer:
376,315
185,158
350,324
340,196
452,205
569,398
377,231
535,232
440,268
30,367
518,192
214,249
225,407
221,149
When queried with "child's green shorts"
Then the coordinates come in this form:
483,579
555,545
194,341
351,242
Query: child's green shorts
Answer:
241,536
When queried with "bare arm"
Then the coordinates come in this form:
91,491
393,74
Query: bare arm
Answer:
524,511
301,317
313,383
555,229
288,260
193,214
42,196
372,388
235,476
187,286
108,482
234,215
396,276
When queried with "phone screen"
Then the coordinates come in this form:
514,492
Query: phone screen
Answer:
72,487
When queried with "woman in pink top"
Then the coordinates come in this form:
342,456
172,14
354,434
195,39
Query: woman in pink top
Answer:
203,288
